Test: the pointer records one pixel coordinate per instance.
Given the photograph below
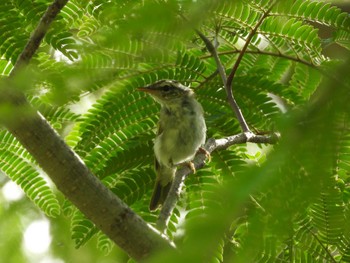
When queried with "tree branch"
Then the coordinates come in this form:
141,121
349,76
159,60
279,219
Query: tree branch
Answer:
247,42
212,50
221,70
228,84
67,170
231,100
84,190
266,53
199,162
38,35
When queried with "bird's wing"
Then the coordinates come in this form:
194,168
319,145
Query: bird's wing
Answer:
156,163
163,180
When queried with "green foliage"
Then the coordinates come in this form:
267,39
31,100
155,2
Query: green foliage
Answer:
20,167
294,207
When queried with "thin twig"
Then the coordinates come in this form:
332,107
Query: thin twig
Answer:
221,69
247,42
267,53
199,162
212,50
231,100
38,35
229,81
207,79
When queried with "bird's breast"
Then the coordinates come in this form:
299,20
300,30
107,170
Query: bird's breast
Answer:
183,132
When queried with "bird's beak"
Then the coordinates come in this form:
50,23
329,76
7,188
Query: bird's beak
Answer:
142,89
145,89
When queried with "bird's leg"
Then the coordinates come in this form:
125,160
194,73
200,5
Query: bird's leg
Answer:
191,165
205,152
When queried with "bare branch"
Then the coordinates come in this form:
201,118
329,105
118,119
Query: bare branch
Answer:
231,100
38,34
266,53
228,84
212,50
199,162
243,51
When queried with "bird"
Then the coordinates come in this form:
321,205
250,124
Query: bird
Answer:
181,133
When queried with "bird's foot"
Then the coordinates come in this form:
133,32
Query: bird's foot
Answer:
205,152
189,165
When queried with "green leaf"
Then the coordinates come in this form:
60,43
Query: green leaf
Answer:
18,165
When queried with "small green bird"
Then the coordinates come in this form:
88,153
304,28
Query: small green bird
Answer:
181,132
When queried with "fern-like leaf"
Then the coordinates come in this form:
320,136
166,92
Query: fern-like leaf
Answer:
16,163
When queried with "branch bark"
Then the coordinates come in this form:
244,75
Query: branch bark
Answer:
67,170
199,162
84,190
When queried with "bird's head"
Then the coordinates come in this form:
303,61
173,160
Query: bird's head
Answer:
167,91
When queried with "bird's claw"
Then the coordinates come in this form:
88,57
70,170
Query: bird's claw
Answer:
205,152
189,165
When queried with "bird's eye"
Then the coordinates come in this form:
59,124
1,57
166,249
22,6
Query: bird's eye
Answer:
166,88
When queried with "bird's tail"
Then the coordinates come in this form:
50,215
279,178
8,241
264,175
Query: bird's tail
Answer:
165,176
160,192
